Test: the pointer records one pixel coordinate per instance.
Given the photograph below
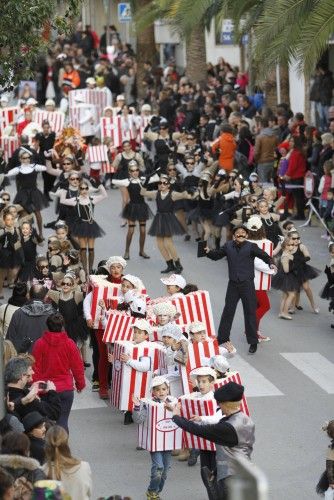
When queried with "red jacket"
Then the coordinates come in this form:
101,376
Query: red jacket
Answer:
297,165
57,359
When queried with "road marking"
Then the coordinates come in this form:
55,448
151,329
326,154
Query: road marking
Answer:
314,366
87,399
256,384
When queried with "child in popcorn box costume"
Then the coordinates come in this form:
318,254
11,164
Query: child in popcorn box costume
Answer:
161,460
113,268
176,352
141,332
234,435
165,313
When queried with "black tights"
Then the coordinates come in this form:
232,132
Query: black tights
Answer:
142,236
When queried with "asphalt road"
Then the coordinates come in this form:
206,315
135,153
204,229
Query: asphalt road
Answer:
289,383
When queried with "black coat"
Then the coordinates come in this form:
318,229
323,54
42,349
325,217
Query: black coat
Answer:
48,405
37,449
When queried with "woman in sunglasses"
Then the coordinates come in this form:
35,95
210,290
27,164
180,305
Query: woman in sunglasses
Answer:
83,227
303,271
165,224
42,274
69,302
136,210
121,165
28,195
177,185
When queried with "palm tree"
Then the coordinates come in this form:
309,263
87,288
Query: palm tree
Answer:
294,30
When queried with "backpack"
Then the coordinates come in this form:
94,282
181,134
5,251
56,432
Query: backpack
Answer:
250,153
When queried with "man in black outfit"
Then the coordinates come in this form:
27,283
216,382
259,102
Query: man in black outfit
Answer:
234,436
240,256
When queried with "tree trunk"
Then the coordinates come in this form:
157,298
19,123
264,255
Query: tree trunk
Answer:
270,88
196,69
146,51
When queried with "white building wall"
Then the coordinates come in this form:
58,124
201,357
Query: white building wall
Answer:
231,53
297,89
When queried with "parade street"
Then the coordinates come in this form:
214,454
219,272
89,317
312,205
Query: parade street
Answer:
289,382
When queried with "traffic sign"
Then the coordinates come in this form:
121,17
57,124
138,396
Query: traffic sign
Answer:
124,12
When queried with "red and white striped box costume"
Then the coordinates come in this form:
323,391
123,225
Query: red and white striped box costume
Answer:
195,404
8,117
9,145
195,306
233,377
118,327
142,122
97,154
197,354
262,280
102,289
99,98
114,127
158,432
126,381
55,118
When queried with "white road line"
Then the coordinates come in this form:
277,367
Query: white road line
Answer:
256,385
87,399
315,366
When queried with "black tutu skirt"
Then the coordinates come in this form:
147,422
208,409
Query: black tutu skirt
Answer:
307,273
26,272
137,211
200,214
9,259
286,282
77,329
82,229
121,173
32,200
165,224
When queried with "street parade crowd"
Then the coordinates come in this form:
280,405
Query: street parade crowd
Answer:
225,173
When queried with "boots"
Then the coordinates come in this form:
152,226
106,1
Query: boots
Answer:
170,267
178,267
128,418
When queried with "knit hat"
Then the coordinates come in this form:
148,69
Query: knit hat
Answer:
31,102
136,282
146,107
254,223
159,380
142,324
174,279
120,97
90,81
164,309
171,330
50,102
115,259
202,371
229,392
32,420
196,326
219,363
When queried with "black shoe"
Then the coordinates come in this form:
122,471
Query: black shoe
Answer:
187,237
50,225
178,267
128,418
192,460
252,349
144,255
86,364
170,267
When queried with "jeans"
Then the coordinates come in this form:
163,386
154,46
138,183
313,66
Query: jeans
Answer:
160,465
265,171
66,401
323,116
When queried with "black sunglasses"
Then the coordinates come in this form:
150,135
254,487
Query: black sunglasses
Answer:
66,283
41,266
74,178
84,189
170,169
296,238
190,138
134,170
25,157
5,199
163,183
190,163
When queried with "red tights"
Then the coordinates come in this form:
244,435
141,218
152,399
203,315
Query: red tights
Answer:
262,305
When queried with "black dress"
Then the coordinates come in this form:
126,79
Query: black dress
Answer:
28,195
272,230
165,223
327,291
67,213
29,249
303,271
137,208
11,252
75,324
83,225
123,170
286,282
